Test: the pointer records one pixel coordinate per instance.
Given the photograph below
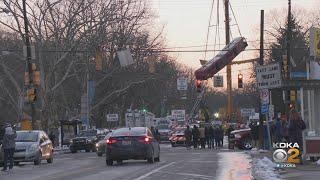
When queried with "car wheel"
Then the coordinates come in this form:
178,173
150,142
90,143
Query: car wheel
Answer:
99,154
87,150
50,160
73,151
151,159
38,160
157,159
109,162
247,144
16,163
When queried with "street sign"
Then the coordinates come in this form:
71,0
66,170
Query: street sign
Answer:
247,112
264,96
264,108
269,76
182,83
179,115
271,111
112,117
218,81
125,58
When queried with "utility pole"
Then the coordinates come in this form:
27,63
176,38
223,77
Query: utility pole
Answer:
289,39
29,64
261,63
229,78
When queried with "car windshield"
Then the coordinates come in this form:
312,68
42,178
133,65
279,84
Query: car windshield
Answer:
87,133
129,132
27,136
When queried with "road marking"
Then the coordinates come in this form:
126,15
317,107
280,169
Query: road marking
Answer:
154,171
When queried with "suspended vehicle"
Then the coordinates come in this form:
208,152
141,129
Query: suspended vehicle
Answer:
222,59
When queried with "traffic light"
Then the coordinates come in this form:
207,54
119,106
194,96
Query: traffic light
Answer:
198,85
285,65
32,94
240,81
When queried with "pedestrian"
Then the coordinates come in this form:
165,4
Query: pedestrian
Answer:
285,130
296,126
230,129
188,136
278,129
157,135
195,136
254,129
202,137
207,139
8,146
216,136
221,136
211,137
52,137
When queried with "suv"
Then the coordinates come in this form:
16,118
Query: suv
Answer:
85,140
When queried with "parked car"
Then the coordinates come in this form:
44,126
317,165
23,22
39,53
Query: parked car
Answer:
241,138
132,143
85,140
31,146
101,145
177,138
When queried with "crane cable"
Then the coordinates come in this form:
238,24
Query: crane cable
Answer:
208,32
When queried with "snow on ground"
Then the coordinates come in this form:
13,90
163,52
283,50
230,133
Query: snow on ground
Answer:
264,169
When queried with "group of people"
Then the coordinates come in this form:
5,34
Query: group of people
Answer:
204,136
8,136
280,130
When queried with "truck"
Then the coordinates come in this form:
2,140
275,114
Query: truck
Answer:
140,119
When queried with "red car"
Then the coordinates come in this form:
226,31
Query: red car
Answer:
241,138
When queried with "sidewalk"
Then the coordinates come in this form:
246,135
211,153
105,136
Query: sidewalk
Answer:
309,170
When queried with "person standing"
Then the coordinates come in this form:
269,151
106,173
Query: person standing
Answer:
188,136
207,138
52,137
296,126
211,137
254,128
216,136
221,136
8,146
278,129
195,136
202,137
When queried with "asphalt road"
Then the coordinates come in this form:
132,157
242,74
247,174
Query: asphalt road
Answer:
175,163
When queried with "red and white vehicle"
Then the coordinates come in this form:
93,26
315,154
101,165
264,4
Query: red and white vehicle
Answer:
177,138
222,59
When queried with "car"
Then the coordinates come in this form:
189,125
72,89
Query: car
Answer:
177,138
137,143
101,145
164,132
85,140
241,138
32,146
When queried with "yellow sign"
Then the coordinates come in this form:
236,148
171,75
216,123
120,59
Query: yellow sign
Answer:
317,42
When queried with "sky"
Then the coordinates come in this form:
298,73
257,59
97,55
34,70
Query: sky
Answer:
186,24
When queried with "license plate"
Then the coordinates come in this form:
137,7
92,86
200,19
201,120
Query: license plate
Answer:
126,143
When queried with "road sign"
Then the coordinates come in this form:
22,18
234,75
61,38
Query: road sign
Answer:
182,83
179,115
112,117
264,96
264,108
247,112
125,58
271,111
269,76
218,81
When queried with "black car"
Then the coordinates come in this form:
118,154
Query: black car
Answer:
85,140
136,143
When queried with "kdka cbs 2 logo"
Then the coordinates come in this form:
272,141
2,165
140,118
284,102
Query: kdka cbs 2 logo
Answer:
286,154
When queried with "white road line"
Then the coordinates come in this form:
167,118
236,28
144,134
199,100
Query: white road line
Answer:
154,171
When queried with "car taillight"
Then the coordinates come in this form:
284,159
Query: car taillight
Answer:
145,139
111,141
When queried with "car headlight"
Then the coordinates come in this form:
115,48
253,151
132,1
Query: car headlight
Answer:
238,136
33,148
71,141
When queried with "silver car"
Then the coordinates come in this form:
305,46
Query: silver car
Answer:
32,146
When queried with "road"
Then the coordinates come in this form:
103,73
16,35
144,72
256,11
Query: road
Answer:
175,163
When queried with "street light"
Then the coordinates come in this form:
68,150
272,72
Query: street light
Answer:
216,115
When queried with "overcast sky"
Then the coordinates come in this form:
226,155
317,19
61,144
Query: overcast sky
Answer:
186,24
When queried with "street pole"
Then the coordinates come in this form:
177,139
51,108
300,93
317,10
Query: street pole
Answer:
31,85
261,63
289,37
229,78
